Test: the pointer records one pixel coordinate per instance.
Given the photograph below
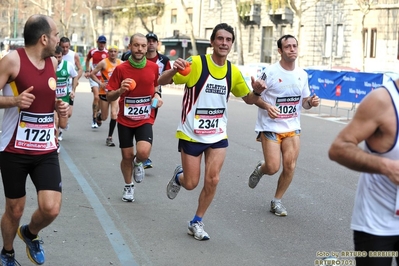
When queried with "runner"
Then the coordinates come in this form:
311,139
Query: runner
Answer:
106,67
95,55
136,115
163,63
66,74
202,129
28,145
278,124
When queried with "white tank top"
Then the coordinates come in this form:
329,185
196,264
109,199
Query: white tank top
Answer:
376,209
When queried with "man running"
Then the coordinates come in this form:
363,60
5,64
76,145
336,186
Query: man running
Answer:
203,123
163,63
28,145
66,78
134,82
106,68
95,55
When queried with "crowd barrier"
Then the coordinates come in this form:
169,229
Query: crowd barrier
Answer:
343,86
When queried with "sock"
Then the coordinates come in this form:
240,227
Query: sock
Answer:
276,200
177,178
112,125
129,185
196,219
4,252
135,161
28,234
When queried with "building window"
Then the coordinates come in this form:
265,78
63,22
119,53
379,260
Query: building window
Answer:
339,52
173,18
373,43
365,36
251,39
267,44
327,41
190,13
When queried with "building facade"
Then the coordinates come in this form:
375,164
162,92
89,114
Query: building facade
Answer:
331,33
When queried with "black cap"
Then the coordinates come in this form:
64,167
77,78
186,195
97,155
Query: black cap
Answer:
151,35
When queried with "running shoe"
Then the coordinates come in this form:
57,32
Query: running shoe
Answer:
109,142
34,248
128,193
94,124
255,176
99,120
138,172
277,208
147,164
173,188
67,127
60,136
197,231
9,260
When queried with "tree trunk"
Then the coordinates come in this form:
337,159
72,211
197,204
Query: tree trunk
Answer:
240,57
190,25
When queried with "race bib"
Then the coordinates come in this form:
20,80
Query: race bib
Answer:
61,91
137,108
35,132
209,121
288,106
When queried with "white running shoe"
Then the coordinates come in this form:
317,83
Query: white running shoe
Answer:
138,172
173,188
197,231
128,193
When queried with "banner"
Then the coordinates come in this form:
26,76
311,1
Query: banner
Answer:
343,85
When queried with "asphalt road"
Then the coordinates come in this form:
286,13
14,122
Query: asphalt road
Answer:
96,228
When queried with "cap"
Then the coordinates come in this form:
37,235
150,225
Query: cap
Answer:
152,35
102,39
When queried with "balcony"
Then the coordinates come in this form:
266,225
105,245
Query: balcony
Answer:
250,13
282,15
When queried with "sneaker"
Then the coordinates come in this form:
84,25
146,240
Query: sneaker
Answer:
173,188
128,193
58,148
9,260
147,164
109,142
138,172
98,120
197,231
34,248
94,124
255,176
67,127
60,136
277,208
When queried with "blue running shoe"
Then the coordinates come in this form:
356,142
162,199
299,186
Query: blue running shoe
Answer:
147,164
34,248
9,260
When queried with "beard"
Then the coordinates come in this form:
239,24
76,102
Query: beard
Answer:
137,57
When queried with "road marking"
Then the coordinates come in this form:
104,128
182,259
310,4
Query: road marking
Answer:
115,237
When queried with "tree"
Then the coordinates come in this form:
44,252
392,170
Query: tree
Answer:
240,56
190,25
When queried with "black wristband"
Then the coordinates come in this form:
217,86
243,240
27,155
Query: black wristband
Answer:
157,92
257,94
